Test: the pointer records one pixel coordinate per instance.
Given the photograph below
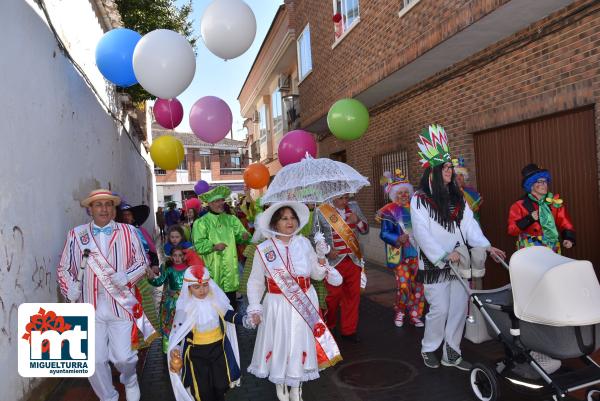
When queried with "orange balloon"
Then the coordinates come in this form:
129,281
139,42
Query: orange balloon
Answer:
256,176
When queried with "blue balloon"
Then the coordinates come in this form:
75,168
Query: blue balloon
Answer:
114,56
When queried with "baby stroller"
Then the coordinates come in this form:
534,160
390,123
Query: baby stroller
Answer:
552,307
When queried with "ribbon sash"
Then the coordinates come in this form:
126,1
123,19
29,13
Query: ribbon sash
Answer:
341,227
328,353
103,269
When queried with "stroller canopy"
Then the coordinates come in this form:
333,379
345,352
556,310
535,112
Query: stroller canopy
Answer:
552,289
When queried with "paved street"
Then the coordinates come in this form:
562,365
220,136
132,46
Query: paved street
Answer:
386,365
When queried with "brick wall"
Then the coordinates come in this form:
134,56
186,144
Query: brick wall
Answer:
550,67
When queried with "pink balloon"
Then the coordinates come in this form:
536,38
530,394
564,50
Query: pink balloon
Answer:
294,145
168,112
210,119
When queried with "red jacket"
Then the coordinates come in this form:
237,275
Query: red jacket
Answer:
521,221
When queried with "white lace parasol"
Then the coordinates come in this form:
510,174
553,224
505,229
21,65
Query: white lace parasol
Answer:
314,181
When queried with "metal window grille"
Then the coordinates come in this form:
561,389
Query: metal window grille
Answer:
387,162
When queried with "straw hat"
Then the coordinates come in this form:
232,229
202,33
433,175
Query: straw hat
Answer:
100,194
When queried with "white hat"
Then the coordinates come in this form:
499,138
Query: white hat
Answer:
263,220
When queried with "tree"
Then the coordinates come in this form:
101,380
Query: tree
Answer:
144,16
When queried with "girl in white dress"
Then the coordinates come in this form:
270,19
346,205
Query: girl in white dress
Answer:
292,343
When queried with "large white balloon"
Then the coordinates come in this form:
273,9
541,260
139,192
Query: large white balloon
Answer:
228,28
164,63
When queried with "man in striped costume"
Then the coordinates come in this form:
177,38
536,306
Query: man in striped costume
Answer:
341,221
114,262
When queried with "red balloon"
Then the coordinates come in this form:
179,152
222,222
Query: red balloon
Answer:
294,146
168,112
256,176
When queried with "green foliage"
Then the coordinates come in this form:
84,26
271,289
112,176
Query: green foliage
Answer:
144,16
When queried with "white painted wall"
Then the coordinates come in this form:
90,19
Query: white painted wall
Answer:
58,143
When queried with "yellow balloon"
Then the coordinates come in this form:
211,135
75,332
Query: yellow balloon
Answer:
167,152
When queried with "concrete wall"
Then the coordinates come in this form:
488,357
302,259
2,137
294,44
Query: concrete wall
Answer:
58,143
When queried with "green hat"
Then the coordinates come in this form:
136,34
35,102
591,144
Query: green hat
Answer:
220,192
434,146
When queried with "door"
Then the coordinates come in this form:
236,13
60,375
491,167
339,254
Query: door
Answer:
565,144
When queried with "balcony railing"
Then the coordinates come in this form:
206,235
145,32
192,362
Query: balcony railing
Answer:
231,171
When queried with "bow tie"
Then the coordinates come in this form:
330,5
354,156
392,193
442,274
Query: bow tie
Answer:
107,230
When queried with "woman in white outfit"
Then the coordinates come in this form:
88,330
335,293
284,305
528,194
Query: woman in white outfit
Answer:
292,343
442,222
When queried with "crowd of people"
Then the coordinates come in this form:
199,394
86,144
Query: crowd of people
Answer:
301,268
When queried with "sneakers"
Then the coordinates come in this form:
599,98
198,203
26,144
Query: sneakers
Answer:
399,319
455,360
459,363
430,360
416,322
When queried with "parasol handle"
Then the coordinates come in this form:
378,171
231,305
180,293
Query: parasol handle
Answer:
86,254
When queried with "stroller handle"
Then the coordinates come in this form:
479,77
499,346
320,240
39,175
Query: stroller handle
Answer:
501,261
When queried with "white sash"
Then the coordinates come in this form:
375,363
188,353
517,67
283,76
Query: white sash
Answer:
103,270
328,353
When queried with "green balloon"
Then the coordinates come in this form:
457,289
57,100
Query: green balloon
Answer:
348,119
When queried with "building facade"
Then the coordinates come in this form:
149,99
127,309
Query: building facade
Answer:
222,163
60,140
512,81
269,96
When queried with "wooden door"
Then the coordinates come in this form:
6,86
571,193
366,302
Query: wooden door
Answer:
565,144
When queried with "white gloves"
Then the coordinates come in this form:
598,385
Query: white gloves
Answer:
119,279
333,276
250,321
74,292
363,280
321,247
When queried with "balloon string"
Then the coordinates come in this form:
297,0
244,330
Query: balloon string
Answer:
171,114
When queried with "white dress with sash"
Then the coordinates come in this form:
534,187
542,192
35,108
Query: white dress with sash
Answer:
285,350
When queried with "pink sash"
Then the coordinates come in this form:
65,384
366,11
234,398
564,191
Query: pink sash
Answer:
123,296
328,353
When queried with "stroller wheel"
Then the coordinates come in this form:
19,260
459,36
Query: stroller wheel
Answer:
484,383
593,394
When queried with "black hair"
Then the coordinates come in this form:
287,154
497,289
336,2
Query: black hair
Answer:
279,214
169,261
447,201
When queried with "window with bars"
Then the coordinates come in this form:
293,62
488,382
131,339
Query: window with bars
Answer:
387,162
159,171
276,115
204,161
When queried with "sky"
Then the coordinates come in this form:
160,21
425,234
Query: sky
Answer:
224,79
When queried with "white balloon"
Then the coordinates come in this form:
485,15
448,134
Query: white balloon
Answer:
164,63
228,28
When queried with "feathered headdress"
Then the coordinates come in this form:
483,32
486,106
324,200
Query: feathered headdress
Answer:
197,274
434,146
392,184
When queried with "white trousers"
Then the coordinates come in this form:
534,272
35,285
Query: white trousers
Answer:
113,342
445,321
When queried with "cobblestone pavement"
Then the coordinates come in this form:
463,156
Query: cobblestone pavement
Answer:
385,365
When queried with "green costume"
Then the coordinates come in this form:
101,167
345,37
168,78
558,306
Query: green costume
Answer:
172,277
212,229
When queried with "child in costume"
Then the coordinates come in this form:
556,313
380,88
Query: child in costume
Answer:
401,255
175,237
203,352
472,197
172,278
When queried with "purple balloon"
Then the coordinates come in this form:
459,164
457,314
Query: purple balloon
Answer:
210,119
294,145
168,112
201,187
